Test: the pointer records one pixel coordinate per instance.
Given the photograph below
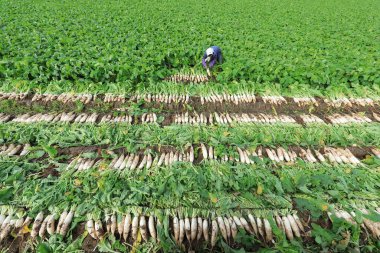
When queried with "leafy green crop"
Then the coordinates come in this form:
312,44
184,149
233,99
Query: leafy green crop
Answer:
317,43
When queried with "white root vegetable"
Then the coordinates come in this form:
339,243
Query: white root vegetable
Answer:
127,226
294,226
113,224
222,227
288,228
2,218
205,230
194,224
50,225
245,224
214,232
228,227
143,228
237,221
60,221
299,223
42,231
99,229
6,221
120,225
268,231
253,224
36,225
200,224
5,232
149,161
279,222
135,162
176,229
108,222
152,228
19,222
135,227
204,151
260,227
188,229
66,223
233,226
181,231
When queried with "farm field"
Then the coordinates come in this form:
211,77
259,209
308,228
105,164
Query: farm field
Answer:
102,149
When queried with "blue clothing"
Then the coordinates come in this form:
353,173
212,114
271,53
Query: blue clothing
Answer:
217,56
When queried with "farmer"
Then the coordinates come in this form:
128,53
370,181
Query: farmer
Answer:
211,56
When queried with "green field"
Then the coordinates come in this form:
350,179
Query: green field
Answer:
278,152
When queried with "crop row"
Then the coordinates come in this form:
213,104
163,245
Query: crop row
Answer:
147,158
189,228
190,118
146,135
239,98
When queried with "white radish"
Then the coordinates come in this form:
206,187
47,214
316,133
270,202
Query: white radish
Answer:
42,230
181,231
36,225
176,228
222,227
299,223
253,224
143,228
245,224
194,224
233,226
199,225
260,227
268,231
50,225
288,228
113,224
99,229
188,229
127,226
60,221
152,228
66,223
135,227
228,227
214,232
205,230
120,225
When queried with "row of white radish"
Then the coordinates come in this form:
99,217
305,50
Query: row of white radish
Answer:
14,149
77,118
186,118
180,78
132,161
229,118
238,98
40,227
191,229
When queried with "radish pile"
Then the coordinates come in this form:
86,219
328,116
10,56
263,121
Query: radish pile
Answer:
348,119
229,118
183,229
187,78
12,149
237,98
